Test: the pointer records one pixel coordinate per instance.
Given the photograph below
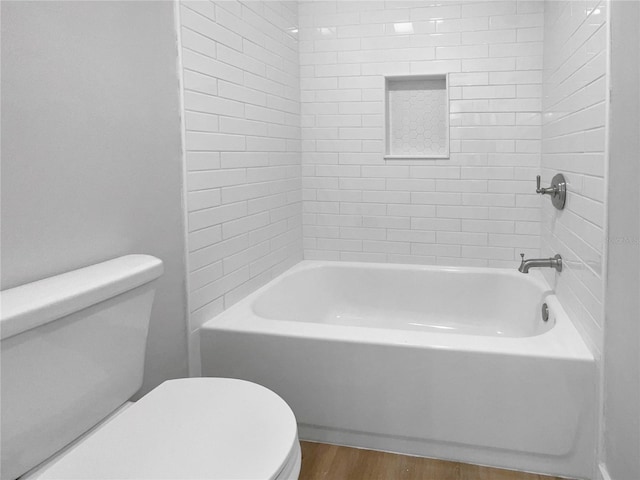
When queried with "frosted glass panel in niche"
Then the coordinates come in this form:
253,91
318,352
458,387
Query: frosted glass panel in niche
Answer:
417,117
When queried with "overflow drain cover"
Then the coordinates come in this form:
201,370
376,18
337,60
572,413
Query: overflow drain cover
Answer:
545,312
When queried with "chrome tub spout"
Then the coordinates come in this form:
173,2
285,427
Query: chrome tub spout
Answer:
553,262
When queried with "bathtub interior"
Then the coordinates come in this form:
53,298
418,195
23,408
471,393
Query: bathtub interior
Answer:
446,300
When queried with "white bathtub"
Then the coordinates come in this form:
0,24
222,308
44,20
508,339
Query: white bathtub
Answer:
452,363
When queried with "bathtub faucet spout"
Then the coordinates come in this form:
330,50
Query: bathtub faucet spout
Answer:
553,262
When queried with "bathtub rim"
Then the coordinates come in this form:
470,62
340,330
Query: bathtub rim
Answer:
561,341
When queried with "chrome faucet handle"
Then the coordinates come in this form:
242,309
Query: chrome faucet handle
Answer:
557,190
552,190
522,259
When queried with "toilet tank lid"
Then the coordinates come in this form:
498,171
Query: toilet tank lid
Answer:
33,304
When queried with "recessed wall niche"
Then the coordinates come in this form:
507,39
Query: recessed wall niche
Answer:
417,117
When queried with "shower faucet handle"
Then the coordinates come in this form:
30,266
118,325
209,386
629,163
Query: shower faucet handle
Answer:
557,190
544,191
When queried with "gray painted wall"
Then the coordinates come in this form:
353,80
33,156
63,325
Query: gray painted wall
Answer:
622,324
91,155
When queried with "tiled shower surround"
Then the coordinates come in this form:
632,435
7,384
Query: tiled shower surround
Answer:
242,142
478,207
573,142
284,114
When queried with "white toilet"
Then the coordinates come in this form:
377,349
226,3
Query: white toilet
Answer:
72,355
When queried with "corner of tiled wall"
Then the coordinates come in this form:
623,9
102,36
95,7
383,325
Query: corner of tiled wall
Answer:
574,143
242,141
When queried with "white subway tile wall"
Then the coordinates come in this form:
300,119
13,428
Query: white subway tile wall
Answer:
478,207
243,149
573,141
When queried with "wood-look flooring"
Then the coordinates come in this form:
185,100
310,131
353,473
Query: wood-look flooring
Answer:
321,461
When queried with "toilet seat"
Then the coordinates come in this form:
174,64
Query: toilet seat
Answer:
195,428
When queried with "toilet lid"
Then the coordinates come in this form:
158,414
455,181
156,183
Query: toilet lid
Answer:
195,428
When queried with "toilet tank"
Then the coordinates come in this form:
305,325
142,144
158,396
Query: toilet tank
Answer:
72,351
